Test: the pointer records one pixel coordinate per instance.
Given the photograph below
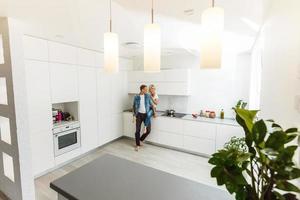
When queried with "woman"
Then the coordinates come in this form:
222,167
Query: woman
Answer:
154,103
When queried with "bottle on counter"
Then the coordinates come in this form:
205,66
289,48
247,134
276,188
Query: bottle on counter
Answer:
222,114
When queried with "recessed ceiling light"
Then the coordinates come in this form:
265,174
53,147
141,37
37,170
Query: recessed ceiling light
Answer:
132,45
189,12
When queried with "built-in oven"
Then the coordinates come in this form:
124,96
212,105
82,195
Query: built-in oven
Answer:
66,137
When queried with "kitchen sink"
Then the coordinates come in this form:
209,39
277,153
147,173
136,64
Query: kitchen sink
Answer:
176,115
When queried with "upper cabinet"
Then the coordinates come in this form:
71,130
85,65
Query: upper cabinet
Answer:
168,82
35,48
64,82
86,57
62,53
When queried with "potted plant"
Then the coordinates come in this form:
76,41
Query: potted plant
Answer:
259,166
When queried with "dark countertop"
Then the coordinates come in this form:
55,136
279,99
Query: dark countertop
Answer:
113,178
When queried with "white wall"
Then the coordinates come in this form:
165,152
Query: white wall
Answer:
280,93
281,63
210,89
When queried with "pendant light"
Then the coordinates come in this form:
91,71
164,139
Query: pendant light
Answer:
111,48
152,45
212,38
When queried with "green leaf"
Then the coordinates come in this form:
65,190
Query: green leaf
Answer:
291,130
274,125
290,196
276,140
216,171
259,131
290,137
287,186
248,116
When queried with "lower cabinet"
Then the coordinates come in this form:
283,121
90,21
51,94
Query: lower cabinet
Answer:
128,124
225,133
194,136
67,156
42,151
199,145
170,139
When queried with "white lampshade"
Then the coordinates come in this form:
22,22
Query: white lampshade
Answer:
152,48
212,38
111,52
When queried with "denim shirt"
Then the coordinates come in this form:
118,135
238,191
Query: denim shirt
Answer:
136,104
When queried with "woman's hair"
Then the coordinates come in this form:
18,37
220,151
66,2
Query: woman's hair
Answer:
151,86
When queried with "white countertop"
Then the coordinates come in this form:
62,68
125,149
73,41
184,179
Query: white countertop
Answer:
225,121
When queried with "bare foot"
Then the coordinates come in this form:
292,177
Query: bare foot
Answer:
136,148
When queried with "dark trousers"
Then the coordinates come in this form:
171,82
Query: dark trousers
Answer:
140,118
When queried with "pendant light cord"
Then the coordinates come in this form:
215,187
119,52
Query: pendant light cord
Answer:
213,3
110,17
152,13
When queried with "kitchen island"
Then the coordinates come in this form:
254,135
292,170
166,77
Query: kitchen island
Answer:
114,178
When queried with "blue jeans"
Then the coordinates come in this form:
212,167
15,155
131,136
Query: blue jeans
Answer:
148,118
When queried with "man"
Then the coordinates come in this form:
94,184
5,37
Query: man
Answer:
141,106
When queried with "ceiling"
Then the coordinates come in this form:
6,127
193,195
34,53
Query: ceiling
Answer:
83,22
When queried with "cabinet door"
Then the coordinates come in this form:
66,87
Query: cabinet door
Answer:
225,133
104,106
88,105
42,152
86,57
64,82
170,139
168,125
200,129
39,115
39,99
35,48
62,53
128,125
117,126
199,145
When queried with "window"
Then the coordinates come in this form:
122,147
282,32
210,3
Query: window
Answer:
8,166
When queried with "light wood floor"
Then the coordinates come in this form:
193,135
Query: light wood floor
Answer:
181,164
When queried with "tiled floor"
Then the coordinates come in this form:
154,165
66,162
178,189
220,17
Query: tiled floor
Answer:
182,164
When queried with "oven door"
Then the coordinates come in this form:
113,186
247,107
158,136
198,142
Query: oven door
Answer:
66,141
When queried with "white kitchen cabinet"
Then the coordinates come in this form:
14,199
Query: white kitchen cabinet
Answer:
39,115
64,82
117,126
225,133
35,48
86,57
39,96
87,106
199,145
128,124
111,98
111,128
42,151
168,82
200,129
168,125
62,53
66,157
170,139
99,60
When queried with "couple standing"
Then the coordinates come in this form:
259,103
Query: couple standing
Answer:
144,107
